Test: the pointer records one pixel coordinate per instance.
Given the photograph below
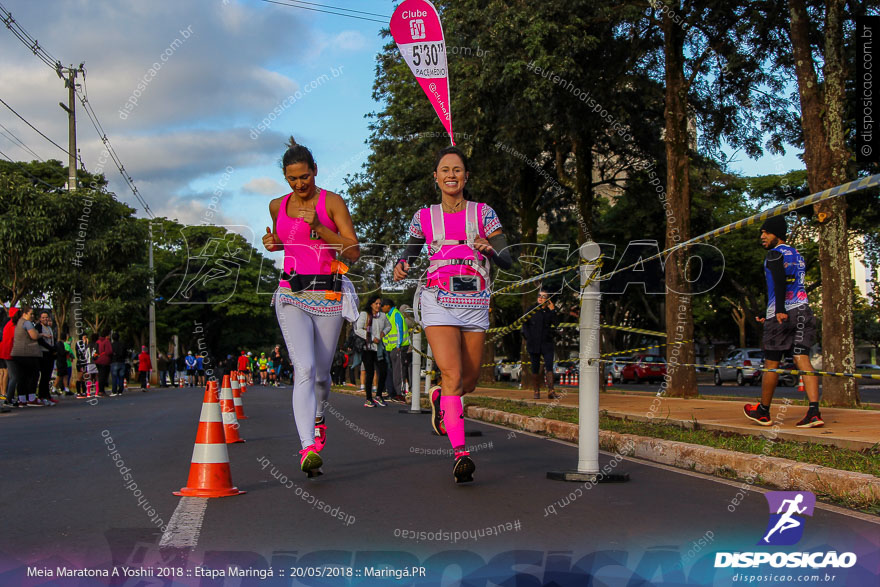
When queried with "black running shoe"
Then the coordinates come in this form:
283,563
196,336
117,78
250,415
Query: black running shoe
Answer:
813,419
464,468
753,413
436,412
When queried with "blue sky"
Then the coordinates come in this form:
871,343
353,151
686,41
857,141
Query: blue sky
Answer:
191,133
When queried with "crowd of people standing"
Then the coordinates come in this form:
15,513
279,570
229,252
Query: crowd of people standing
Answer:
39,364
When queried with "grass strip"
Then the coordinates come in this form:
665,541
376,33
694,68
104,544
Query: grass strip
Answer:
864,461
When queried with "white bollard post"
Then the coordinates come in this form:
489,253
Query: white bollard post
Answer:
429,366
588,387
415,406
590,373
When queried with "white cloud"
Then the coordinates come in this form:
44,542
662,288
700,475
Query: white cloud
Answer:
264,186
350,41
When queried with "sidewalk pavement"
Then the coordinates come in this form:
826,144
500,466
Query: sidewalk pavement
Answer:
855,429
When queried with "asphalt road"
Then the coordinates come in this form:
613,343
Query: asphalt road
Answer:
386,500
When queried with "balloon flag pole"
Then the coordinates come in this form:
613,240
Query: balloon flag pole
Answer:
416,29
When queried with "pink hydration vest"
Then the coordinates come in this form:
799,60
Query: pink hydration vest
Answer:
451,237
303,254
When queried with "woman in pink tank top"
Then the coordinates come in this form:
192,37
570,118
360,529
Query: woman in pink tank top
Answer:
313,227
462,237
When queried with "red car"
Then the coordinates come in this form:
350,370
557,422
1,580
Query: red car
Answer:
644,368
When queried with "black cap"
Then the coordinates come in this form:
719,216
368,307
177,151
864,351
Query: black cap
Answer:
776,226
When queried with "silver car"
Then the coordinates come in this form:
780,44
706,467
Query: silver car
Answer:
504,371
615,367
740,365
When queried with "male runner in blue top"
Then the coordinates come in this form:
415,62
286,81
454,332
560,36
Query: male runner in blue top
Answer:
788,325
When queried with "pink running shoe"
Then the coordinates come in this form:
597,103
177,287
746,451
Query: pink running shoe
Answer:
320,436
310,461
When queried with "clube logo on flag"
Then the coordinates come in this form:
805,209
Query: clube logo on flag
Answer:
416,29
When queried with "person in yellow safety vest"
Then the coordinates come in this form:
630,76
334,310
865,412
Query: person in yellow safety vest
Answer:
396,338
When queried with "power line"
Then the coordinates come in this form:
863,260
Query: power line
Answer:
28,41
14,139
55,64
93,118
26,172
387,18
23,119
299,5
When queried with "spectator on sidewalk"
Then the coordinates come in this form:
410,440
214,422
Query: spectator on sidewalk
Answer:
26,354
144,367
406,349
103,358
63,363
6,355
47,358
190,361
117,365
396,338
200,370
162,365
4,373
181,370
84,364
372,324
539,331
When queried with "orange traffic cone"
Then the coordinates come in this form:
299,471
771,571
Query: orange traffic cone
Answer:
236,398
209,474
180,382
801,387
227,407
575,376
610,381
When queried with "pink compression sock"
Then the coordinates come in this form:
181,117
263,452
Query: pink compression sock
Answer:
453,419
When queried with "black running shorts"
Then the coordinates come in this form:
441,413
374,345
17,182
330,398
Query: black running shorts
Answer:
797,334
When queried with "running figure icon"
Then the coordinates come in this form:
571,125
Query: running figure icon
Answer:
787,522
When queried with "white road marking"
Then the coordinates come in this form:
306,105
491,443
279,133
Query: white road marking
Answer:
186,524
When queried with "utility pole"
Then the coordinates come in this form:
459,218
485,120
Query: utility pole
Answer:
154,374
70,108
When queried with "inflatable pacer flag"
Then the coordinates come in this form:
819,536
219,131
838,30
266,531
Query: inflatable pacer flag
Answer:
416,29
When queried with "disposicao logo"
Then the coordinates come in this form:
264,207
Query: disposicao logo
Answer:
785,528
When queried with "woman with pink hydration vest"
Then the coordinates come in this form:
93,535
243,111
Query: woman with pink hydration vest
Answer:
311,226
463,237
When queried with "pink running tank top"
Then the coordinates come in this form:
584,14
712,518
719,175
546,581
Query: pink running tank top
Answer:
303,254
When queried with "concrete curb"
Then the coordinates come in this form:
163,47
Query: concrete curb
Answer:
783,474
